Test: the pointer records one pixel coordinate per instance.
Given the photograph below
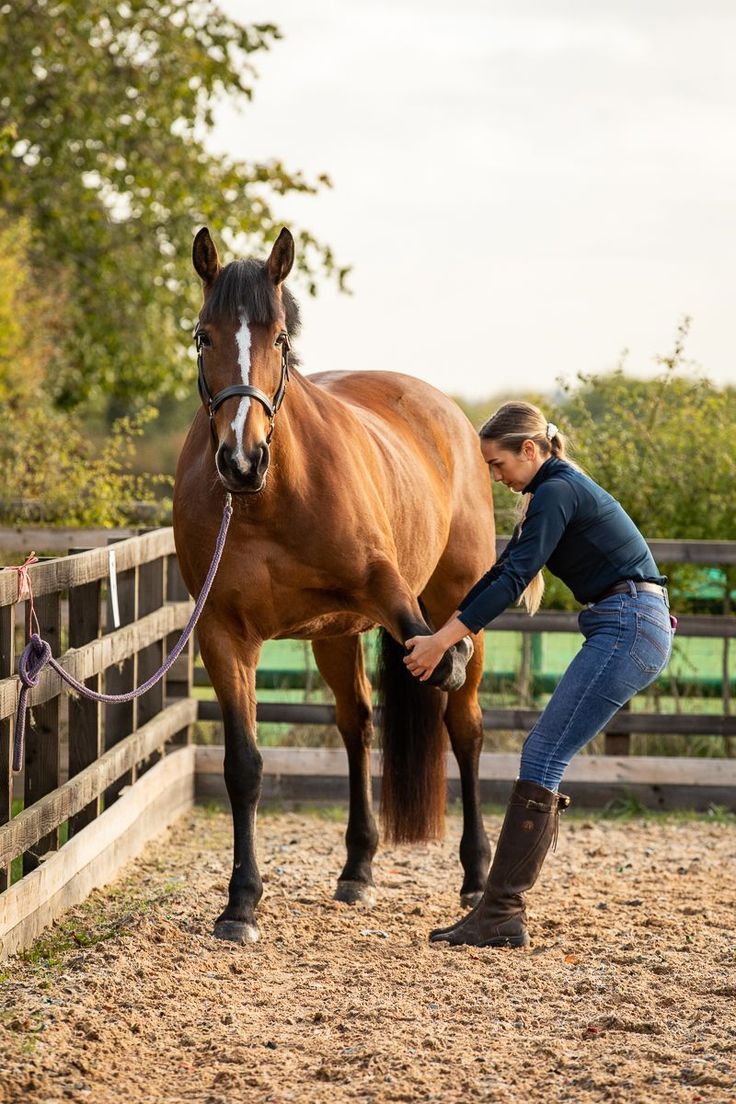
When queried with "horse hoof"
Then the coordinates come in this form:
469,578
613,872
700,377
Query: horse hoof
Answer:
353,893
460,655
470,900
236,931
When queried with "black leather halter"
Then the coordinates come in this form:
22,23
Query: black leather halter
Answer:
213,402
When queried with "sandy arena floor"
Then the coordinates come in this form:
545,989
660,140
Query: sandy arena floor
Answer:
628,993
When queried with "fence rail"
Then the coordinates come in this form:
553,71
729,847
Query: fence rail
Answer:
709,553
24,538
515,720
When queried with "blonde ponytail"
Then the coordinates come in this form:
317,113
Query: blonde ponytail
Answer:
510,426
534,592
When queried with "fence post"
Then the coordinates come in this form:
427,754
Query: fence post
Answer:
525,671
43,737
85,716
179,680
726,666
120,718
7,663
618,743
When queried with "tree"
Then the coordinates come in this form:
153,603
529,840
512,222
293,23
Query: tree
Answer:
663,447
109,107
51,471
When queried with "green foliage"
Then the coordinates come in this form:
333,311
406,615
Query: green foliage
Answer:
51,470
28,317
663,447
52,473
104,115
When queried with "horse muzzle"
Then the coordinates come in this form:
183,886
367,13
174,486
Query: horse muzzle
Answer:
242,473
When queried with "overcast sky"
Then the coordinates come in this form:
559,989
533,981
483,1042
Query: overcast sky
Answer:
523,190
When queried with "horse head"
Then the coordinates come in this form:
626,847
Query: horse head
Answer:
242,340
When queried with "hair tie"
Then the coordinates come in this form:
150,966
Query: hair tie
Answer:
551,430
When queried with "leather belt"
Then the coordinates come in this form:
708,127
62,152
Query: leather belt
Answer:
626,584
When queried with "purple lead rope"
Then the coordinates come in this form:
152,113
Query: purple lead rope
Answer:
37,654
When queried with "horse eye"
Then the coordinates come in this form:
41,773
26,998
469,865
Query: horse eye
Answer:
203,339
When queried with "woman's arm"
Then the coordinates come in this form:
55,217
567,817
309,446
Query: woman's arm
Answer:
549,514
487,579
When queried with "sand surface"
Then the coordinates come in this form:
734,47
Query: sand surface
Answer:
627,994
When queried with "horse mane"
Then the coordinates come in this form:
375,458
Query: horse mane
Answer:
244,285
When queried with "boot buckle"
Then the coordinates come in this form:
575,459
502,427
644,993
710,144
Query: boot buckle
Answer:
540,806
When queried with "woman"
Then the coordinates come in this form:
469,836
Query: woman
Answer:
584,537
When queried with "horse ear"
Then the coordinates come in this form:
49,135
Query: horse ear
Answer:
279,263
204,256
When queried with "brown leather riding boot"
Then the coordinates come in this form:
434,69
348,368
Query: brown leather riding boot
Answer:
529,827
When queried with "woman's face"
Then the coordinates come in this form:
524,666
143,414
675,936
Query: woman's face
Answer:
513,469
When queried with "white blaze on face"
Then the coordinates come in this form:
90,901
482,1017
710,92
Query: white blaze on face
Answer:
242,338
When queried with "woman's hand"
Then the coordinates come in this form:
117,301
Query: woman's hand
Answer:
425,654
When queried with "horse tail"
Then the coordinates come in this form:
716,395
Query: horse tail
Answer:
413,745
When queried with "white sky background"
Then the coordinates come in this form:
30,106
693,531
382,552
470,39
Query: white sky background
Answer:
523,189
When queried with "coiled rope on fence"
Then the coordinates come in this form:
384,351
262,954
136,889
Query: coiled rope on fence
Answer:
37,652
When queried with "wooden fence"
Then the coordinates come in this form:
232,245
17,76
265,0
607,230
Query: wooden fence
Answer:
67,783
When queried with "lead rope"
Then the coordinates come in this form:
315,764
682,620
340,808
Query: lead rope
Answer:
37,652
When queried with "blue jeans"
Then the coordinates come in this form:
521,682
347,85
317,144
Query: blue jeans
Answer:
628,643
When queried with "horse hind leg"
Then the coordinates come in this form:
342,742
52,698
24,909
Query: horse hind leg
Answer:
464,721
413,785
340,661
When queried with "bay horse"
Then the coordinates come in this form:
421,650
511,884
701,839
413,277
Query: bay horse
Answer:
361,500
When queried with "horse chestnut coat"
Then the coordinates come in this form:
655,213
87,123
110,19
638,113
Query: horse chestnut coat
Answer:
362,501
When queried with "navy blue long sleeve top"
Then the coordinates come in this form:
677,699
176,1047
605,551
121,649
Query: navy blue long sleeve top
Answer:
575,528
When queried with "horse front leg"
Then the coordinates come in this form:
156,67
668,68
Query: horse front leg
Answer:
341,664
231,663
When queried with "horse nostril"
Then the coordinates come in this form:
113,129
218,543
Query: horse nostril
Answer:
228,464
260,458
224,457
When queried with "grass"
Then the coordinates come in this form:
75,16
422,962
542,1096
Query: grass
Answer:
696,666
334,814
627,807
94,921
693,657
